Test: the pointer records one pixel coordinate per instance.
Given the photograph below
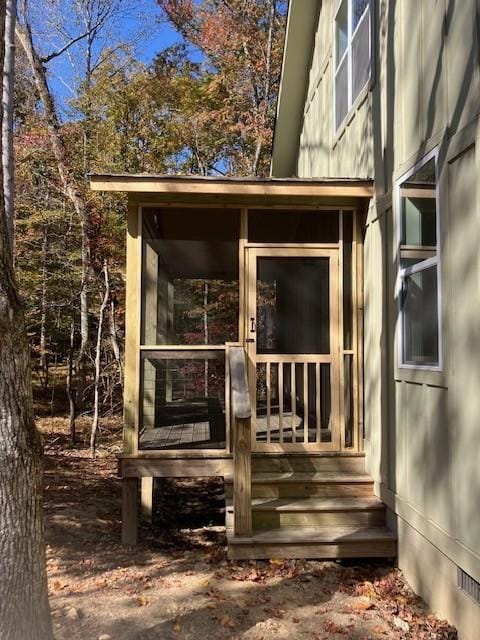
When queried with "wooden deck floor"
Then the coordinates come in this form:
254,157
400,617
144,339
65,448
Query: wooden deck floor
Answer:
200,435
288,425
195,435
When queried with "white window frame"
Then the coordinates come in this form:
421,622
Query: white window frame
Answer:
405,272
351,102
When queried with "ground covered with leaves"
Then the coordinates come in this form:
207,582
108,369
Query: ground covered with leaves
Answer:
178,584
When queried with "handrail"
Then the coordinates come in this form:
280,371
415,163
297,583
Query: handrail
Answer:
241,406
242,442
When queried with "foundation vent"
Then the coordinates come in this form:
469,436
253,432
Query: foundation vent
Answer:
469,585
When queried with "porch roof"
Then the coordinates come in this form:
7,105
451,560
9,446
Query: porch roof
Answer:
250,191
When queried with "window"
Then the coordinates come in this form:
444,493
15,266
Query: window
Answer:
353,52
419,262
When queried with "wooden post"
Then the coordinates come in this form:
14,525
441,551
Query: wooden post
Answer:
129,511
242,443
146,500
242,469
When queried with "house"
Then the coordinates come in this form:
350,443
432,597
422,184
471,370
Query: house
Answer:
389,90
312,337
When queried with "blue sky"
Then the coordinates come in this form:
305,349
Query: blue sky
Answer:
156,35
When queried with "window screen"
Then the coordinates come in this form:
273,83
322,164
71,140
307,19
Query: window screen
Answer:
190,292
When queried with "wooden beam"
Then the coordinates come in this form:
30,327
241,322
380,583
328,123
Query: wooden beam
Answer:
146,500
132,337
242,442
172,468
129,511
252,188
242,470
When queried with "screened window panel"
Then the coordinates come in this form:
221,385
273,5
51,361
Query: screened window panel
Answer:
341,93
183,400
420,318
293,305
361,57
292,226
190,283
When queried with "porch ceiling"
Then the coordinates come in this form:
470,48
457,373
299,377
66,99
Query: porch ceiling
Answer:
241,191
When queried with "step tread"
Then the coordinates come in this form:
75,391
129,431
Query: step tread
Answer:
309,454
323,477
315,535
314,504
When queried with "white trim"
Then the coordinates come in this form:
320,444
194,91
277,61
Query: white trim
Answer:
351,100
404,272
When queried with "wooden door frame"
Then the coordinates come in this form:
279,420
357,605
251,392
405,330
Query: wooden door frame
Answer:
334,359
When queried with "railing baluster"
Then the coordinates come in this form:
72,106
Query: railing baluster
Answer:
269,402
318,405
293,401
280,401
305,402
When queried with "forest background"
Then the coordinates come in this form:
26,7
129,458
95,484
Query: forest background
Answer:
121,86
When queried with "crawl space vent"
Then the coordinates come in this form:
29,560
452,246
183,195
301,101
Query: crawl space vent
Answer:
467,584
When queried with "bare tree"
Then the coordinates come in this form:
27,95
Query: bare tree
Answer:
7,122
98,354
72,189
24,609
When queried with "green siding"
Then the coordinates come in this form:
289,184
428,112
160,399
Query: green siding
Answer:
422,428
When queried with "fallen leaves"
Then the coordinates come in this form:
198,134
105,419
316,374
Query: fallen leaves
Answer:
190,573
227,622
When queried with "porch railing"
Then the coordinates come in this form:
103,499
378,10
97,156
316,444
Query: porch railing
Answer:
242,442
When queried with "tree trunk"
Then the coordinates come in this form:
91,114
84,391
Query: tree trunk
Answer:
98,353
43,317
114,341
70,390
7,122
24,610
71,188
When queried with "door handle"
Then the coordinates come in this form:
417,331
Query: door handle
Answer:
252,325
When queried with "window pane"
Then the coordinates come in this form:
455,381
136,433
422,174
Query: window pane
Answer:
183,401
420,318
341,31
190,276
361,57
341,93
419,216
292,226
358,8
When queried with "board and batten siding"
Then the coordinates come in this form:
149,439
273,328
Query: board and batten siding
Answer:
422,428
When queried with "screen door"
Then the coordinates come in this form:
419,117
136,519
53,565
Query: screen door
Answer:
292,346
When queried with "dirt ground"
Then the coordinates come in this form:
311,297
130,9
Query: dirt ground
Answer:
178,584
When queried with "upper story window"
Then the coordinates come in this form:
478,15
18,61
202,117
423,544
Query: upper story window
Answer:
353,54
419,267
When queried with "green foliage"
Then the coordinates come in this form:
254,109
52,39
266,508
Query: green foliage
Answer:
207,114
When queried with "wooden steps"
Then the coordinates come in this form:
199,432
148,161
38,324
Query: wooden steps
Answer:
270,513
325,542
290,484
311,507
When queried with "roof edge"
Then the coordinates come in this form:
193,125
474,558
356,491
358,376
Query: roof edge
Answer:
301,28
244,187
